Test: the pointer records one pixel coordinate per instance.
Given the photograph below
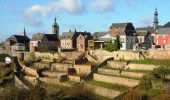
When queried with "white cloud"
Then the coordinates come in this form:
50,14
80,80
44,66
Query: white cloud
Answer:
34,14
102,5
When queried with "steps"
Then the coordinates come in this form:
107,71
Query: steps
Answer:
112,81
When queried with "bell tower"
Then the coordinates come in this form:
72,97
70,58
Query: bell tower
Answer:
155,22
55,28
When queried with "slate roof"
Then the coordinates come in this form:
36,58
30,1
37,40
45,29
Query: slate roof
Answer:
68,35
37,37
40,36
167,24
71,35
149,29
141,33
119,24
163,31
18,39
99,34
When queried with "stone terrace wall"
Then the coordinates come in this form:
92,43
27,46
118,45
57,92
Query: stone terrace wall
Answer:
116,64
116,72
72,55
158,54
82,69
74,78
104,91
141,67
47,56
61,67
118,55
30,71
116,80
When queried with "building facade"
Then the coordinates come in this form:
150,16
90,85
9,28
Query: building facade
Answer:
162,38
82,41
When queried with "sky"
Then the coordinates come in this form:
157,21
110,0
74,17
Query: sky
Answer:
82,15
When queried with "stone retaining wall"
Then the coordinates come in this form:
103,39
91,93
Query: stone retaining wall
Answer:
116,80
141,67
116,64
30,71
104,91
118,55
82,69
74,78
61,67
32,80
117,73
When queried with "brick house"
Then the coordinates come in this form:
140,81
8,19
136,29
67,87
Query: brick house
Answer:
162,38
68,41
82,41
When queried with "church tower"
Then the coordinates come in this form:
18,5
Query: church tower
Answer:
155,22
55,28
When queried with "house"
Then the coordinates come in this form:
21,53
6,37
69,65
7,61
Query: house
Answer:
17,43
46,42
144,39
118,28
162,38
68,40
127,41
101,39
82,41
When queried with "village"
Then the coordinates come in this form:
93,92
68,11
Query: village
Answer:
112,64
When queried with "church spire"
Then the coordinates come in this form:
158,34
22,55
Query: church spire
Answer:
155,22
24,32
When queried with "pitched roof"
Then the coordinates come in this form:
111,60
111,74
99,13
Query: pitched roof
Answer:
167,24
37,37
114,33
149,29
99,34
40,36
119,24
18,39
68,35
141,32
163,31
52,37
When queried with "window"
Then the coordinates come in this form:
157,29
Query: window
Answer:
164,41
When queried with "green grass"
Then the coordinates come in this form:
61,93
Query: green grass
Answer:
115,87
152,62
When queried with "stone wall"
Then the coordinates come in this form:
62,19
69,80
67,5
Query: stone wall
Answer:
104,91
32,80
74,78
30,71
141,67
82,69
117,73
158,54
72,55
47,56
116,80
61,67
118,55
116,64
